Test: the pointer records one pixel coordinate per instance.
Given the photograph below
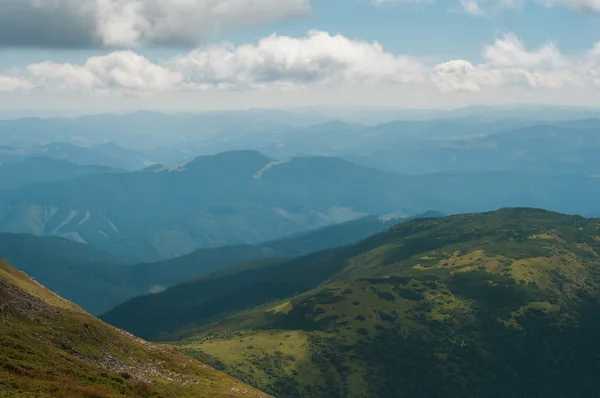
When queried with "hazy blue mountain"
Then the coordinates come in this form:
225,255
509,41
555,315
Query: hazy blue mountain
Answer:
32,170
144,129
531,112
106,154
140,158
546,149
465,140
9,154
101,155
212,201
244,197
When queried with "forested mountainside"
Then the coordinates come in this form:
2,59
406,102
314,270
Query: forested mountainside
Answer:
98,281
495,304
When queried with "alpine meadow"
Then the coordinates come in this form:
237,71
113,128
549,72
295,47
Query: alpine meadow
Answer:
299,199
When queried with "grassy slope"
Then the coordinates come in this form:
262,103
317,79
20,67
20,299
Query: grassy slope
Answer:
90,277
49,347
471,305
98,281
206,261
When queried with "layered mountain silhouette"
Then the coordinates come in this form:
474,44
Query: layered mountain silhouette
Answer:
244,197
39,169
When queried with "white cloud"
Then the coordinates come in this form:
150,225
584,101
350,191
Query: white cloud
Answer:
591,65
399,1
89,23
481,8
275,61
508,62
461,75
472,7
8,83
121,71
509,51
317,60
592,6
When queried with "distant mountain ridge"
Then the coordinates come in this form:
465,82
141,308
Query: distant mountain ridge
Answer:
211,201
106,154
38,169
403,141
245,197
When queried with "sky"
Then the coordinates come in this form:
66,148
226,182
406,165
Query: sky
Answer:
109,55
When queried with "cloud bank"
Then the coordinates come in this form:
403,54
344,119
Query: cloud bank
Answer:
482,8
317,59
126,23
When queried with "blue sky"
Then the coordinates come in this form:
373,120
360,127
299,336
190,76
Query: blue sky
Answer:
441,29
436,30
539,47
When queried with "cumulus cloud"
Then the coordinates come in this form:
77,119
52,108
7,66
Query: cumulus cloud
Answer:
481,8
461,75
472,7
93,23
8,83
123,71
399,1
508,62
275,61
509,51
318,59
592,6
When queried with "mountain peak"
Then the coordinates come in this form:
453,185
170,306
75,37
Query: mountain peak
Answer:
242,154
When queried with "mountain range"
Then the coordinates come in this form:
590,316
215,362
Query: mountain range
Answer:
231,198
245,197
297,253
106,154
496,304
443,143
41,169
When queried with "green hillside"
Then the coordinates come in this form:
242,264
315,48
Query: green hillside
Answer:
49,347
206,261
478,305
98,281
